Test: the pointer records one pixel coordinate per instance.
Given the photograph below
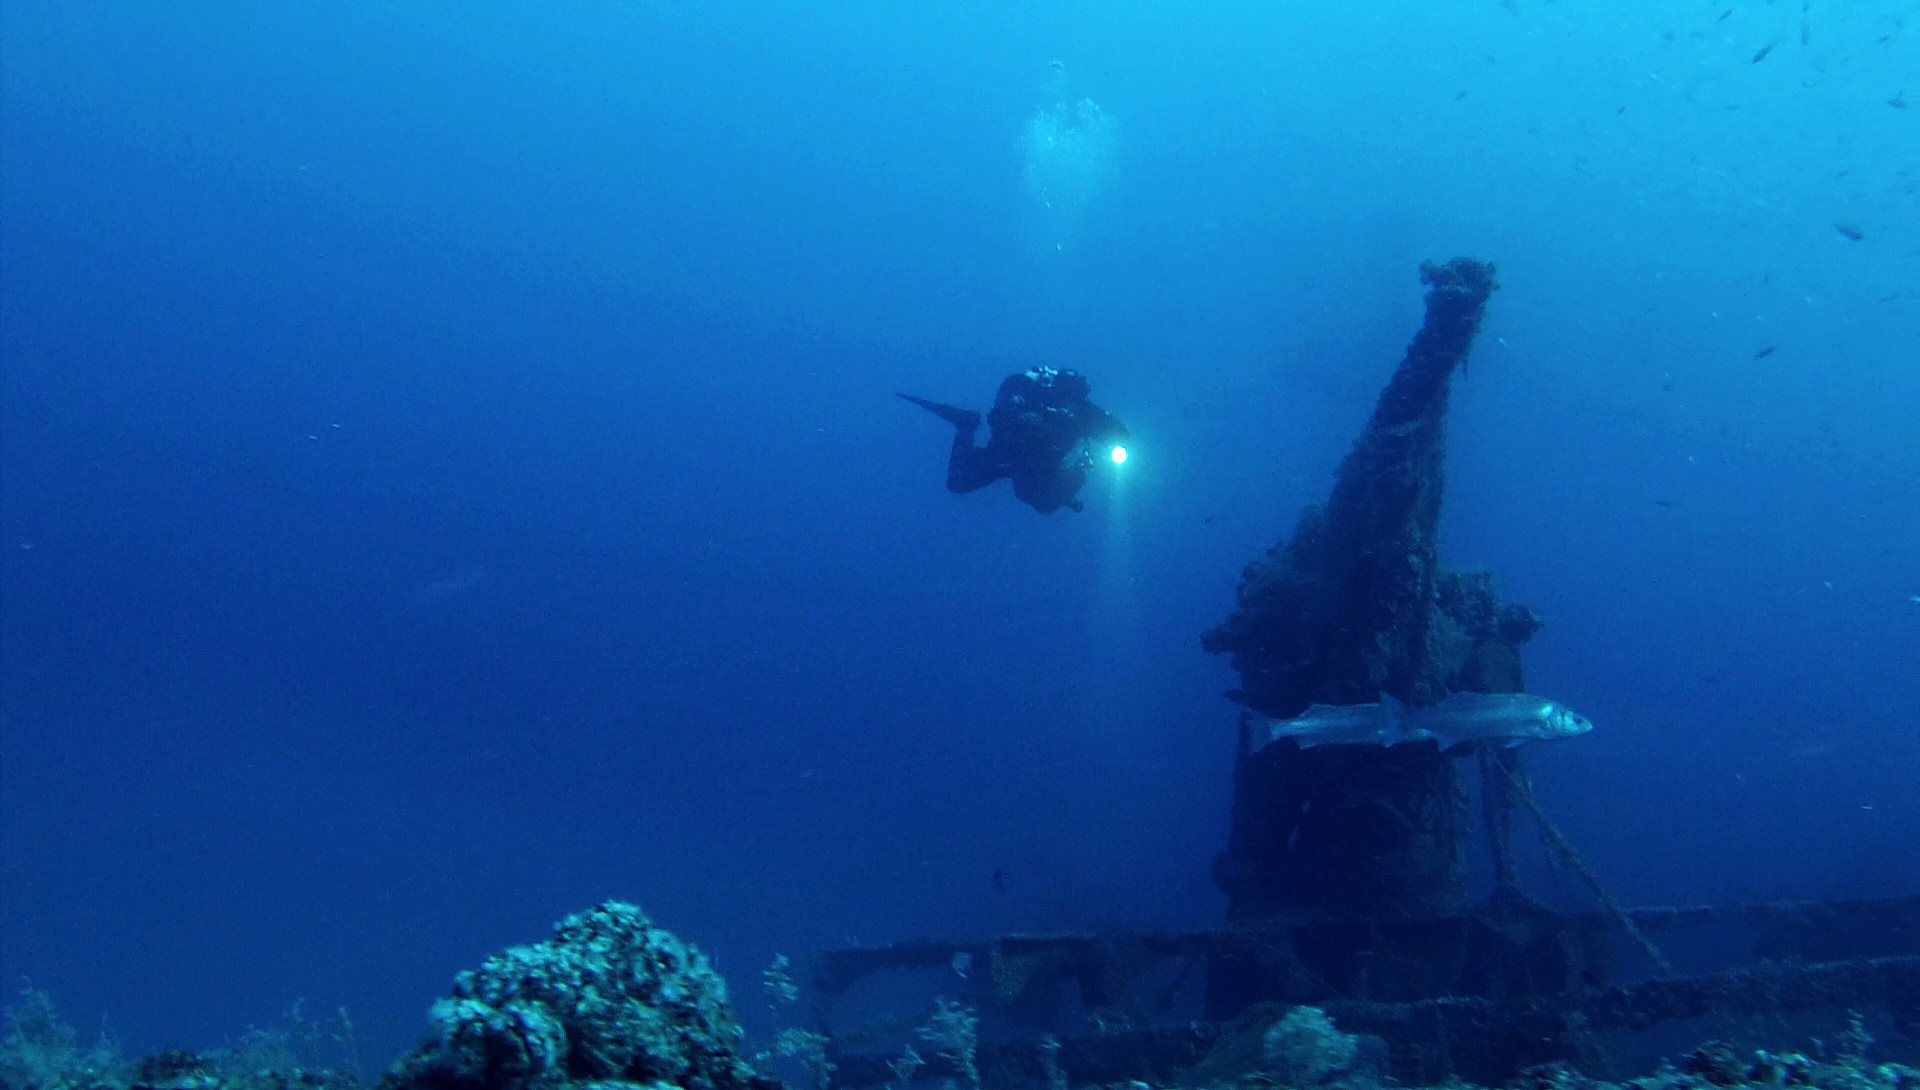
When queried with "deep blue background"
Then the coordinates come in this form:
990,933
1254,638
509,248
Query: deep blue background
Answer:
451,474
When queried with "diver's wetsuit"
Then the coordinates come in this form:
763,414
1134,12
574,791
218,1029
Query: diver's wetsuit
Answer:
1042,422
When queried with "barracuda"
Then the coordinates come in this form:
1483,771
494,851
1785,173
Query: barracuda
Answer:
1459,721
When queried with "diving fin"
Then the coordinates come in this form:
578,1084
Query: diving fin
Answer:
963,419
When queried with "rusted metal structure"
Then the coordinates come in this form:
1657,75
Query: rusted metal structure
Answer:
1346,866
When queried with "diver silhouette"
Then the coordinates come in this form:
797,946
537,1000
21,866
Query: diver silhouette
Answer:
1043,426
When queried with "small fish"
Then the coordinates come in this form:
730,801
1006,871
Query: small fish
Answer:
1458,722
1724,16
1765,352
1459,96
1663,503
1888,298
1000,879
1764,50
1899,101
1850,231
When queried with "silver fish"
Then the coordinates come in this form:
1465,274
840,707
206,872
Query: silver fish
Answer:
1461,720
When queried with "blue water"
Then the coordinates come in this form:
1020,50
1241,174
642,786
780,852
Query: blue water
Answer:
451,472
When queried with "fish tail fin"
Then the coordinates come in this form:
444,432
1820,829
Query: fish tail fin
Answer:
1260,732
1256,733
1393,715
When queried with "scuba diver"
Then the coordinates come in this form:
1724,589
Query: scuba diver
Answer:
1043,429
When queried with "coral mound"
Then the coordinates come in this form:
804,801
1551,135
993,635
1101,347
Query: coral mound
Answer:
610,999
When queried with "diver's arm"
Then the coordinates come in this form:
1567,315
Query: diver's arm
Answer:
1099,425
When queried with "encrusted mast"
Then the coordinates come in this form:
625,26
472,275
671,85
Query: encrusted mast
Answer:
1353,605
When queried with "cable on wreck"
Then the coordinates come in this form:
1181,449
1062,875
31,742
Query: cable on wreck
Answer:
1564,849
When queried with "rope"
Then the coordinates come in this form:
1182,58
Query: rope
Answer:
1558,842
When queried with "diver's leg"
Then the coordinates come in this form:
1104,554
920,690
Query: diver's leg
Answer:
1049,492
969,467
